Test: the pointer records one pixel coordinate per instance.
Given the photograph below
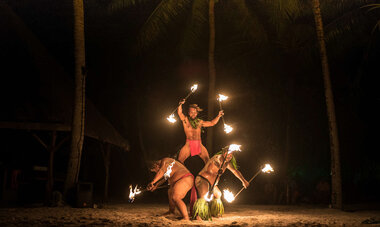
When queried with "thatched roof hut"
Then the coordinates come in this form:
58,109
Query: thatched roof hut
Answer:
47,105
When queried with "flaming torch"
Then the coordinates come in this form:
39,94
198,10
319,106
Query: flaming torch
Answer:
227,128
133,193
171,117
231,148
137,191
266,169
228,196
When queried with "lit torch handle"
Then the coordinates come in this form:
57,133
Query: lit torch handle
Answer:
211,190
187,96
220,107
254,176
144,190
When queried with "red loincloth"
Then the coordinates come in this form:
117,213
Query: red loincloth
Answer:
195,147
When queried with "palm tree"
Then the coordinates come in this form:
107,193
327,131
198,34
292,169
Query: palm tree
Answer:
211,71
166,12
77,132
336,189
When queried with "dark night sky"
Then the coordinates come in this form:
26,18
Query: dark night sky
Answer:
136,91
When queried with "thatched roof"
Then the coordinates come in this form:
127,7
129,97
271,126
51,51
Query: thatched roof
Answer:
47,103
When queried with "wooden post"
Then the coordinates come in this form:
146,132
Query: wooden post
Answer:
106,157
50,179
51,149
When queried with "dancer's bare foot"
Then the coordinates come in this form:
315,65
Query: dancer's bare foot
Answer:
168,213
198,218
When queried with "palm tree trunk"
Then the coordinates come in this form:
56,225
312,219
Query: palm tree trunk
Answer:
336,189
77,130
211,66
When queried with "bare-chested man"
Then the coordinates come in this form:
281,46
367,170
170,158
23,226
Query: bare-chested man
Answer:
192,127
206,178
180,181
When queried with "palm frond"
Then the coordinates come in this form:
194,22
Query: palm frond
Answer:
195,27
164,14
249,23
345,17
280,11
116,5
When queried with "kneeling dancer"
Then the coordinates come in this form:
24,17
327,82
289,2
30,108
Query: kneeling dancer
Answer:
214,168
180,181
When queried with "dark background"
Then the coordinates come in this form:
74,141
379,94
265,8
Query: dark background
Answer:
270,87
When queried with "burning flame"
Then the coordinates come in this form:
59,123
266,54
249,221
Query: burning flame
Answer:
171,118
133,193
267,169
194,87
227,128
222,97
233,147
207,197
168,170
228,196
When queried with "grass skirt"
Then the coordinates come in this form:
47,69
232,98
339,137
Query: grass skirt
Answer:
201,209
217,208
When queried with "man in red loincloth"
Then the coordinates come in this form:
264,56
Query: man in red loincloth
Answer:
192,126
180,181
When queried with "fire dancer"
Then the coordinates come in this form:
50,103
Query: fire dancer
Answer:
180,182
207,180
192,126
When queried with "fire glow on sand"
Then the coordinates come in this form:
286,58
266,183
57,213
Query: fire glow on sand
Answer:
171,117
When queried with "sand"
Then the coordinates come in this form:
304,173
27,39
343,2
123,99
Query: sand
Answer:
151,215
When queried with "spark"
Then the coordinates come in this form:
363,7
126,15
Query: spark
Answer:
228,196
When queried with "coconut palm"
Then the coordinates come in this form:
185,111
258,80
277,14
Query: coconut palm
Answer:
167,12
336,192
77,134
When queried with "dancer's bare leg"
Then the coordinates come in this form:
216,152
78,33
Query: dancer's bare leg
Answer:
217,192
202,188
204,154
180,190
184,153
171,203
